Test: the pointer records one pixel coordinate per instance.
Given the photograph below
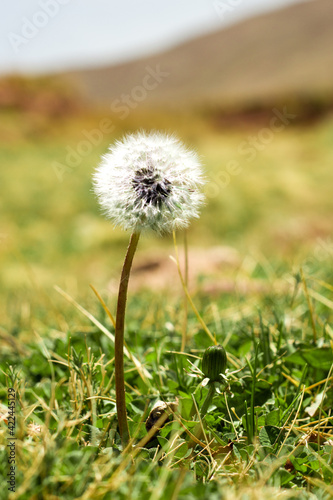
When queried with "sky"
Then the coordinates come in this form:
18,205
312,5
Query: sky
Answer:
40,36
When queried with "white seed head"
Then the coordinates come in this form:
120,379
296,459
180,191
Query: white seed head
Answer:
149,182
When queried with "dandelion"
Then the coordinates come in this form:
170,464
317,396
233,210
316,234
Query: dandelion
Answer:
149,182
146,182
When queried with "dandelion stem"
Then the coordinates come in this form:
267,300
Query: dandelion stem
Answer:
198,431
306,292
208,399
184,335
119,340
195,310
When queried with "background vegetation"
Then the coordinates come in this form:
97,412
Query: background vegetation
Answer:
271,432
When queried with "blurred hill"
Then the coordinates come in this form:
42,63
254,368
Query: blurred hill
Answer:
268,58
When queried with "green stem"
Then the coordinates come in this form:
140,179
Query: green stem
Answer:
208,399
184,333
119,340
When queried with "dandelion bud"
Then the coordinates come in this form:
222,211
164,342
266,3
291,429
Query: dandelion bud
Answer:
214,362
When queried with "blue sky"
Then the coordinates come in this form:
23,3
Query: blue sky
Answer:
46,35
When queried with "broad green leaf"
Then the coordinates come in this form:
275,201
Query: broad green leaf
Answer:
316,357
285,477
273,418
268,435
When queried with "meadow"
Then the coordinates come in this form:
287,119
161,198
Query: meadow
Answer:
267,298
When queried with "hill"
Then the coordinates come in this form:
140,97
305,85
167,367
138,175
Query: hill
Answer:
280,54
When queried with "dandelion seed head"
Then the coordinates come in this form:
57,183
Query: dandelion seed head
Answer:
149,182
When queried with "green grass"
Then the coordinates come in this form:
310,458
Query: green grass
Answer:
277,374
270,432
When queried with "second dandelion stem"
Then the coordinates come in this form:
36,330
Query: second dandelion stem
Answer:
208,399
119,340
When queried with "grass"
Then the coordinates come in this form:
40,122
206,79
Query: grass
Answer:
270,431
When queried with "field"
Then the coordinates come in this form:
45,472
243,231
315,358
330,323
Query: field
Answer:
260,275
